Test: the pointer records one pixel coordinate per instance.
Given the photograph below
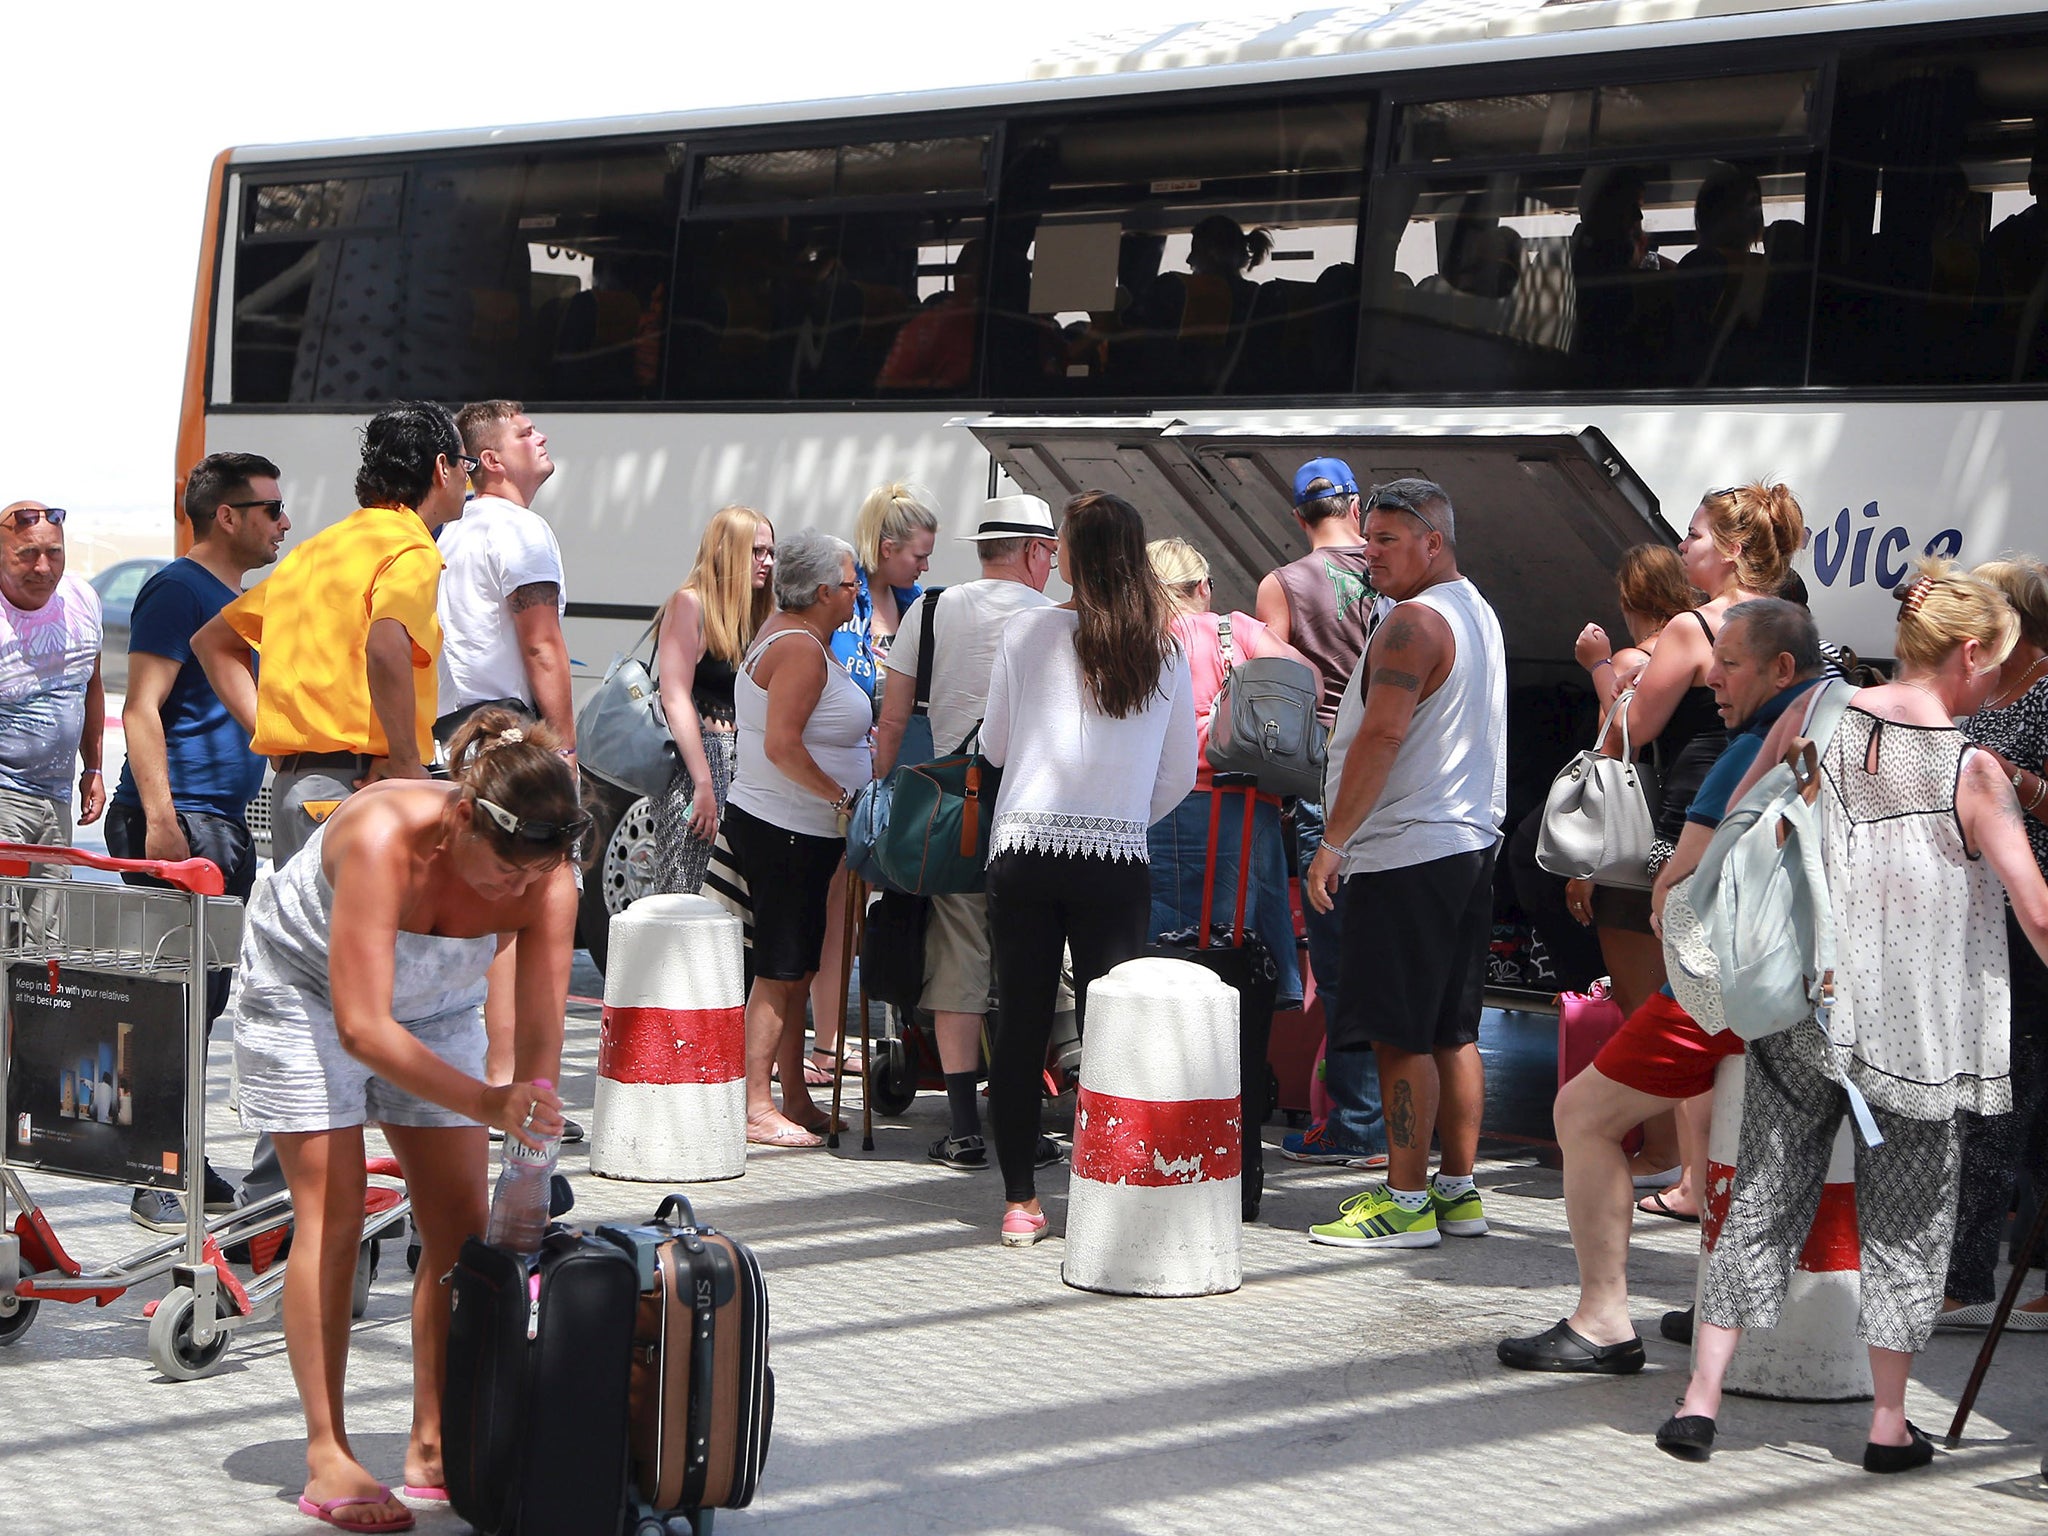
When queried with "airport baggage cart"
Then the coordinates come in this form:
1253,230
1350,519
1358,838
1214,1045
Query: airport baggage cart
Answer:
103,1077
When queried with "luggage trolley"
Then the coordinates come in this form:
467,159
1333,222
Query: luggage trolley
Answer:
103,1078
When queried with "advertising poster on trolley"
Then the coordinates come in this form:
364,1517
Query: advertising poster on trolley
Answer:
96,1074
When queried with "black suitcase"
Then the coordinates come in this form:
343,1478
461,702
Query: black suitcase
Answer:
702,1393
1241,959
533,1419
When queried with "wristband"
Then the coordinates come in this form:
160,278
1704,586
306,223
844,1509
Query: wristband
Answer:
1604,661
1326,846
92,773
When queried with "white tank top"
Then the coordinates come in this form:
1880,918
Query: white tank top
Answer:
836,736
1448,791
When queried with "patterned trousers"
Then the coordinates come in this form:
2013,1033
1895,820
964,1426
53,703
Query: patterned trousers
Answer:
680,854
1905,1199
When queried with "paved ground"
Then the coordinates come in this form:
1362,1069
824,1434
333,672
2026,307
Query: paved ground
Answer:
930,1381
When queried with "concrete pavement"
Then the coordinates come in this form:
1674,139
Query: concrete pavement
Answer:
931,1381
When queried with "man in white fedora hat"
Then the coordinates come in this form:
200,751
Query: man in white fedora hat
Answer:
962,626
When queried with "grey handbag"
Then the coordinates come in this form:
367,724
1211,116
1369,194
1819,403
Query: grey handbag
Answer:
621,732
1263,722
1597,822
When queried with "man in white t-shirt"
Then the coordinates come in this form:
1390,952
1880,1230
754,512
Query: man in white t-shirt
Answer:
1019,546
500,604
502,596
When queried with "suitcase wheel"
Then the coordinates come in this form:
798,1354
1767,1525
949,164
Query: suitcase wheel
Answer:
892,1078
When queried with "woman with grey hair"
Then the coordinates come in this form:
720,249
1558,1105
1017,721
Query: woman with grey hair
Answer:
802,751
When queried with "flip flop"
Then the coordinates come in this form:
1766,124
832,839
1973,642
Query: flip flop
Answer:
816,1076
424,1495
822,1123
329,1512
1653,1205
793,1136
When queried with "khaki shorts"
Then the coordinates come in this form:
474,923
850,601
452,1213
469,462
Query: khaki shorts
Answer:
958,955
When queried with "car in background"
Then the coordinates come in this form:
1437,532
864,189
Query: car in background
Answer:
117,586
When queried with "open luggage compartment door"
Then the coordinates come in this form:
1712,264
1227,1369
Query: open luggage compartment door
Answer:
1543,512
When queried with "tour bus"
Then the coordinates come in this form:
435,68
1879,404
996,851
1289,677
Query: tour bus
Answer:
1579,261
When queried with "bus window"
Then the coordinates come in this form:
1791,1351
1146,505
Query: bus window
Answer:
1934,266
1181,253
537,275
1662,274
827,305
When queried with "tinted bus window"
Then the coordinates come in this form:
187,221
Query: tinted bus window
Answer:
1739,108
1186,253
541,275
890,168
1934,267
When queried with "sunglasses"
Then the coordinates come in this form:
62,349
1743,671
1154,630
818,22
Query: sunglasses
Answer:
28,517
530,831
273,508
1396,501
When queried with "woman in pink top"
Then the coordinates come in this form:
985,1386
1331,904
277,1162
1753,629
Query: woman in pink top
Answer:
1180,843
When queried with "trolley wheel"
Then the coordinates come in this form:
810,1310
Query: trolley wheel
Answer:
650,1525
366,1271
14,1324
892,1078
171,1349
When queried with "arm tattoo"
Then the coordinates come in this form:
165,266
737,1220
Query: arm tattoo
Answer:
1401,1113
1399,632
532,595
1396,679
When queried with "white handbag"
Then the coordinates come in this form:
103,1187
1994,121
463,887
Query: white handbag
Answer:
1597,821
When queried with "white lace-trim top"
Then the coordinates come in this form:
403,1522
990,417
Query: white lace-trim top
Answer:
1076,781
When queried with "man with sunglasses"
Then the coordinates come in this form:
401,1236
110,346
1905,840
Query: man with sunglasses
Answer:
53,710
1417,789
347,629
190,773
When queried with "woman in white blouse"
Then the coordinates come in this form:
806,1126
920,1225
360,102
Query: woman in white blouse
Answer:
1091,717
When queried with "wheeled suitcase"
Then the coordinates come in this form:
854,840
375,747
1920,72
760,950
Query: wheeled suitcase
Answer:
702,1395
1241,959
533,1418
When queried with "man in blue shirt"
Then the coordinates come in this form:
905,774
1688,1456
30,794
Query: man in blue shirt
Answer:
1766,660
190,773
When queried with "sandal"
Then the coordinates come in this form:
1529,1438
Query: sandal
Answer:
334,1512
820,1123
1653,1205
788,1136
856,1064
816,1075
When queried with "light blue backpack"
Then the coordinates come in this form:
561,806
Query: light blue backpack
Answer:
1749,936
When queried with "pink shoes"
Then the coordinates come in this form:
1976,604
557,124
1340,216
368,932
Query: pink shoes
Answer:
1021,1228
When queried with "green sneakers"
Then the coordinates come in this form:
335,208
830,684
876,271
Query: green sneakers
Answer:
1376,1219
1461,1217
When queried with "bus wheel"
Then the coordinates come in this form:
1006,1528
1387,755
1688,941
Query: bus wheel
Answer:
624,869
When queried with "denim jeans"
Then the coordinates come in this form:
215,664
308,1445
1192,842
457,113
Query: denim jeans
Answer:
1350,1077
1179,845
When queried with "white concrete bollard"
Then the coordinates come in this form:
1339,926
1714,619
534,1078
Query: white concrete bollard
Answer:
671,1057
1813,1355
1153,1208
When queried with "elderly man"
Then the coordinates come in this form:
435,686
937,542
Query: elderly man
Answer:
1418,776
1765,658
53,709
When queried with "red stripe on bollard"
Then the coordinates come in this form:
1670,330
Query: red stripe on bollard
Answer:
1832,1243
1137,1141
672,1045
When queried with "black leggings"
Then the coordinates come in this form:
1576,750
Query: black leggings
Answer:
1037,903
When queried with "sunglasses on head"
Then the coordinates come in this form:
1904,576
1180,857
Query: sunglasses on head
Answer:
1397,501
28,517
530,831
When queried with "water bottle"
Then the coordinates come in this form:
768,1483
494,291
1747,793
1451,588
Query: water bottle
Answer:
519,1207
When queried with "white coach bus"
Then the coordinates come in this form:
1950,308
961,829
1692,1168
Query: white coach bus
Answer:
1580,261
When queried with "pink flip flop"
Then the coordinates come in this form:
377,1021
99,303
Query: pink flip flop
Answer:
329,1512
424,1495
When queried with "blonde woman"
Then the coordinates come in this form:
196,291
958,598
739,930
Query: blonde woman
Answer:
1919,831
705,631
1180,842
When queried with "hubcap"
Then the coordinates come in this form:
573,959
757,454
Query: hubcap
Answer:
629,857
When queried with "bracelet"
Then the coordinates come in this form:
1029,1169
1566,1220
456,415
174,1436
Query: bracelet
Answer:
92,773
2040,793
1604,661
1326,846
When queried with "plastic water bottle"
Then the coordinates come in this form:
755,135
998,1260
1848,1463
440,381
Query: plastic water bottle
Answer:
519,1207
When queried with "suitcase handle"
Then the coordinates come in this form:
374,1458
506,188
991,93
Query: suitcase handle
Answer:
672,1203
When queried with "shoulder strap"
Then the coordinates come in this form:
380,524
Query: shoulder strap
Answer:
1223,639
922,699
1705,628
632,651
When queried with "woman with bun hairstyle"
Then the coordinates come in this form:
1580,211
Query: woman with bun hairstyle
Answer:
358,999
705,631
1919,830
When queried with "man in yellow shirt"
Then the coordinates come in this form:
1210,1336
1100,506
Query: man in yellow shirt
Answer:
346,629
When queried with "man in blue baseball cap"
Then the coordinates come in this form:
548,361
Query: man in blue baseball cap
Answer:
1322,605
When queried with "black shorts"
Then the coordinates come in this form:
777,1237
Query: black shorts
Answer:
1413,971
787,876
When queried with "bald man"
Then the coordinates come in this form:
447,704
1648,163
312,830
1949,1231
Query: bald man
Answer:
53,709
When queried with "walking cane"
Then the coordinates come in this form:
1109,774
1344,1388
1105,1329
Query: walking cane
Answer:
846,976
2022,1263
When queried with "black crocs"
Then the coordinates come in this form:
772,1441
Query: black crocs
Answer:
1563,1348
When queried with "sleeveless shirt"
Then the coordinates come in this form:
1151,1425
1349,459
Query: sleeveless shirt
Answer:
1329,605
